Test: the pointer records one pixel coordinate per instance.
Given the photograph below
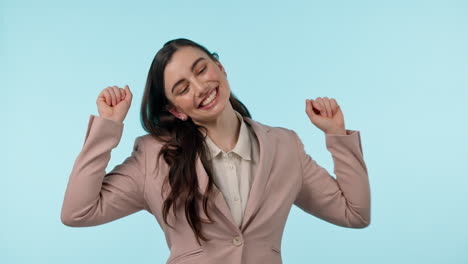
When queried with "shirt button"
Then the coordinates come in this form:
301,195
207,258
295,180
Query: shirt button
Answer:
237,241
229,154
231,166
236,198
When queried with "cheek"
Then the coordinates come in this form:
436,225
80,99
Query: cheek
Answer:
214,74
187,102
218,76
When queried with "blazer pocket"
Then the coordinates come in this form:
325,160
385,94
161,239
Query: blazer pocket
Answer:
186,255
276,250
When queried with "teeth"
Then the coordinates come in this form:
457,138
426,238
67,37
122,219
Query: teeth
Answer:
208,100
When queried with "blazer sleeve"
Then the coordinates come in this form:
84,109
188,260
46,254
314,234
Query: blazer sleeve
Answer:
346,200
94,197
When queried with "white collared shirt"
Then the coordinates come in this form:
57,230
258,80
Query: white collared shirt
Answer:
233,171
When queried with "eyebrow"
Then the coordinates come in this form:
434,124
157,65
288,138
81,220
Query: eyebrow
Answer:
194,64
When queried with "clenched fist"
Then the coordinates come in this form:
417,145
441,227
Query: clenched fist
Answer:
326,114
113,103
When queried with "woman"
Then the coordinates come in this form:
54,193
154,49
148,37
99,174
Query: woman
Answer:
220,184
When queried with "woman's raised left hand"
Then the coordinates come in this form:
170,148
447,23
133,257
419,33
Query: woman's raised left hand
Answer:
326,114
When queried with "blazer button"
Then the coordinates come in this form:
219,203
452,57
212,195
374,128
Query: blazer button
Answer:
237,241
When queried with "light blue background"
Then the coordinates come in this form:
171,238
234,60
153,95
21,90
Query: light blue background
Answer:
397,68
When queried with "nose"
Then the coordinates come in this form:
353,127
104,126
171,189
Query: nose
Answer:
200,88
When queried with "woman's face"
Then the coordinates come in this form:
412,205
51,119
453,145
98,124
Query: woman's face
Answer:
196,85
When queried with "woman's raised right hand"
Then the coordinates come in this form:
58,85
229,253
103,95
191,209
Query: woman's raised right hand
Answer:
113,103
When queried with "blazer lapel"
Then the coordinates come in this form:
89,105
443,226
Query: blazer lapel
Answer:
267,149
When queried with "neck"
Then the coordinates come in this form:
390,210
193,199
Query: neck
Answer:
224,130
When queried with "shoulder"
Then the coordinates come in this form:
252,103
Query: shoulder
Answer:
149,143
278,131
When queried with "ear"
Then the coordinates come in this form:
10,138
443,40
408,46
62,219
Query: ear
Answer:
177,113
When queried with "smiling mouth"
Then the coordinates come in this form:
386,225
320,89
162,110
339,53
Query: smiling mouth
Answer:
207,101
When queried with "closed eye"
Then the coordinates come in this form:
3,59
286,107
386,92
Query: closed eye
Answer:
183,91
202,70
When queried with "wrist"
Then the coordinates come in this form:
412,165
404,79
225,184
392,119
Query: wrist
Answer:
113,119
337,132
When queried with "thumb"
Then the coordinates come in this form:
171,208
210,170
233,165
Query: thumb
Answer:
128,94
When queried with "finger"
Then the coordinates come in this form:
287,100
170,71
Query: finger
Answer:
326,101
108,97
118,96
323,110
309,108
316,105
111,92
128,93
113,96
118,93
122,94
334,106
102,98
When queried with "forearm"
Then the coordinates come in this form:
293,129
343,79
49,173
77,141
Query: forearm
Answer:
86,179
351,173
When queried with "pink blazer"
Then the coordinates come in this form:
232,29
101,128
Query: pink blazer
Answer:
286,175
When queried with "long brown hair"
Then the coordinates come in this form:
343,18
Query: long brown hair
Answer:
183,141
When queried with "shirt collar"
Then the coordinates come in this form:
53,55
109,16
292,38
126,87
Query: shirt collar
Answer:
242,147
